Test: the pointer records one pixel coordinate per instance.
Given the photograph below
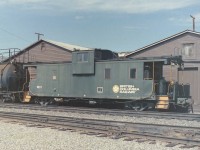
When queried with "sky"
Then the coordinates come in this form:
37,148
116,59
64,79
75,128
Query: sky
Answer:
118,25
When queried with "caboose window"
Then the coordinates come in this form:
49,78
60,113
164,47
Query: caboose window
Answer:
82,57
107,73
132,73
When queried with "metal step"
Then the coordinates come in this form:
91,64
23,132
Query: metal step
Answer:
163,102
27,100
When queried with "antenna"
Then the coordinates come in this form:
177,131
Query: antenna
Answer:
193,19
39,34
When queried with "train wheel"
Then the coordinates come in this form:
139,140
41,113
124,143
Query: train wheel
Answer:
8,98
134,106
20,97
138,106
12,98
3,100
43,101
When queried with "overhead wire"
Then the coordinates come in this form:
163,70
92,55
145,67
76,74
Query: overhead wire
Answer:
13,34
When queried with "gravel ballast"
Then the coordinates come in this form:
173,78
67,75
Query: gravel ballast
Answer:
20,137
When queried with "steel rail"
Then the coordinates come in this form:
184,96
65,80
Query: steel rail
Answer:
114,112
189,136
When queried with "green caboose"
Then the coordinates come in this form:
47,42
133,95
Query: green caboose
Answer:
100,76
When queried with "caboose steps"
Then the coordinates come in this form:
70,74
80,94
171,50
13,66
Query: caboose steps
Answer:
27,97
163,102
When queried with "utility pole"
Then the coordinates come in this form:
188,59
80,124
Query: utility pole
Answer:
39,34
193,20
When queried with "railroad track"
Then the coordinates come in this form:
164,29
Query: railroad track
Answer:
173,135
113,112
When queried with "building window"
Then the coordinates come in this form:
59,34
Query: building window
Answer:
188,50
82,57
107,73
132,73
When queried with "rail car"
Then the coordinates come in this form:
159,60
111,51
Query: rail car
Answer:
98,76
12,79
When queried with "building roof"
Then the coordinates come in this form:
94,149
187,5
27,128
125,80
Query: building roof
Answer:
67,46
161,41
63,46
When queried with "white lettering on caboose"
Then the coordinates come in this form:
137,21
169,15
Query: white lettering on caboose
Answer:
125,89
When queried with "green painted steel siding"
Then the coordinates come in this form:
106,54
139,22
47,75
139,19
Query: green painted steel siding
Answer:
68,85
83,66
120,76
